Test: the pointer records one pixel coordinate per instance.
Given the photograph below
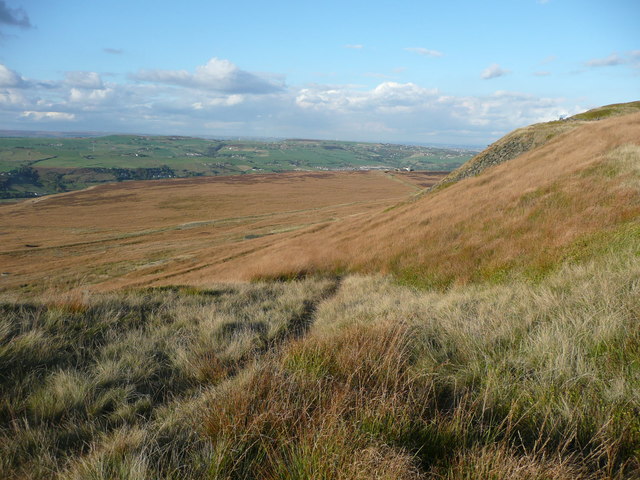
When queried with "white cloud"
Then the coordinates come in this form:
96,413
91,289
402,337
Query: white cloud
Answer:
494,71
402,93
49,115
354,46
93,97
609,61
10,79
424,51
11,98
411,111
387,96
216,75
83,80
227,101
390,111
542,73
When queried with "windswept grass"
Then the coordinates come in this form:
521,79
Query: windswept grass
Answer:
299,380
72,371
485,382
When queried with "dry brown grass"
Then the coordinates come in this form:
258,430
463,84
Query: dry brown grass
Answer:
522,216
484,382
316,379
154,232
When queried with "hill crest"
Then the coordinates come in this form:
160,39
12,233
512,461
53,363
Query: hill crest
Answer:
530,137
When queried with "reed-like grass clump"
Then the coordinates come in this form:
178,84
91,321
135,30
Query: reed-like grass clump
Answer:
357,378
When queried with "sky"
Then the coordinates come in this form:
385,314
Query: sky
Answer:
461,72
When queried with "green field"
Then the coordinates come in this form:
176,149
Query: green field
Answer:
37,166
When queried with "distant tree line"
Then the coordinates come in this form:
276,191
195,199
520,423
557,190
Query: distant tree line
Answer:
54,181
24,175
20,175
139,173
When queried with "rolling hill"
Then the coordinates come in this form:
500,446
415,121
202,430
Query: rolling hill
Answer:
572,193
488,328
35,166
576,192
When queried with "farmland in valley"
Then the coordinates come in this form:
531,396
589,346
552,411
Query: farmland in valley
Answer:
33,166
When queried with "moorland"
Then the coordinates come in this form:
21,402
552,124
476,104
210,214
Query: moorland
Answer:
484,325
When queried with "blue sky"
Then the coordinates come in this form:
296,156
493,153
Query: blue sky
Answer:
462,72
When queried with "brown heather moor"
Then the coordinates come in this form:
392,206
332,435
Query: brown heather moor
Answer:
496,334
141,233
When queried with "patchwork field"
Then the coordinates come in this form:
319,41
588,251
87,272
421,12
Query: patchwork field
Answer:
35,166
141,233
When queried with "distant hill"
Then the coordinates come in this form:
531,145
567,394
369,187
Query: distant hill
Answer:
34,166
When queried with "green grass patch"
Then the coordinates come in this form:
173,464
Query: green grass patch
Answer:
126,157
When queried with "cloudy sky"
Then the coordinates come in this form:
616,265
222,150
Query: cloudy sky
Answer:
460,72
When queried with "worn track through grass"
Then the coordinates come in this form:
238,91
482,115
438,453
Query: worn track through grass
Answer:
75,370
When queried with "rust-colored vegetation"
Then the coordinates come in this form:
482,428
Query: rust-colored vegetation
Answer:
523,216
526,365
140,233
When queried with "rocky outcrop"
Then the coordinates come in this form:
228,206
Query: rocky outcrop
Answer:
509,147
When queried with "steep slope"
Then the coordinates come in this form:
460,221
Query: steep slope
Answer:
528,138
577,193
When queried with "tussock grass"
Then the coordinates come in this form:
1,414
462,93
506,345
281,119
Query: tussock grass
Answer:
73,371
370,379
482,382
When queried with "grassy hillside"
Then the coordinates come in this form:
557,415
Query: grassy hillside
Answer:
517,357
578,193
142,233
36,166
352,378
